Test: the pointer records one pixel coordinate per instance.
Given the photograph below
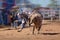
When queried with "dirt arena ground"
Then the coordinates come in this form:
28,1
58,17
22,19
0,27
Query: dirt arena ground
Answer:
49,31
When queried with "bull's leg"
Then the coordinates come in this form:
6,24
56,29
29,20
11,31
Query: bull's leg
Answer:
39,29
29,22
15,25
33,29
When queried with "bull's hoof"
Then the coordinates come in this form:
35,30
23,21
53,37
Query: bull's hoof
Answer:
19,30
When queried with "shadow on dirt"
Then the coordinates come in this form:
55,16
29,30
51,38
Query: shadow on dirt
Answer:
2,26
50,33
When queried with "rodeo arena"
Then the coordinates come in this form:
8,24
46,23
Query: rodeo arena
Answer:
18,22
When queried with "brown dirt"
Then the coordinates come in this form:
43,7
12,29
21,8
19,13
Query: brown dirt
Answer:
49,31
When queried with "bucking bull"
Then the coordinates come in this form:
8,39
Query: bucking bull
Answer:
36,19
